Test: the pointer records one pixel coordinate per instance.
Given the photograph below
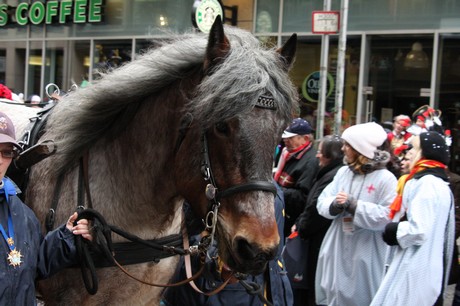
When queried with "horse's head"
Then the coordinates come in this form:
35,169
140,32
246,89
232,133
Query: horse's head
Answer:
233,124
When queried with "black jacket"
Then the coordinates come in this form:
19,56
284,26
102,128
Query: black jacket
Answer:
310,224
301,169
41,256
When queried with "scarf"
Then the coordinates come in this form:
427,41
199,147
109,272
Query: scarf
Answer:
420,166
285,156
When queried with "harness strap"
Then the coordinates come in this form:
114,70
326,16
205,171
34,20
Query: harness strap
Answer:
51,216
250,186
83,182
188,269
102,232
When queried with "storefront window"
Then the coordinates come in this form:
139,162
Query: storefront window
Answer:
138,17
143,45
372,15
2,66
305,75
267,16
78,63
399,75
54,59
34,69
13,65
110,54
449,93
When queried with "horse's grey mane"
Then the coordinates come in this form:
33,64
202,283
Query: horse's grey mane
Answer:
248,72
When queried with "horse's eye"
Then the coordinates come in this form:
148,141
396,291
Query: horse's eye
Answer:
222,128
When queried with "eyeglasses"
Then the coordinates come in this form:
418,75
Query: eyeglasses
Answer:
9,153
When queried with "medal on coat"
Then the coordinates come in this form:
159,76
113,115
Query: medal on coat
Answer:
14,257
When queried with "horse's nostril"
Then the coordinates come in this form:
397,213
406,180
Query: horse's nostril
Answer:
244,249
248,251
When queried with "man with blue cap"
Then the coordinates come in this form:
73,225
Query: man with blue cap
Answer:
296,169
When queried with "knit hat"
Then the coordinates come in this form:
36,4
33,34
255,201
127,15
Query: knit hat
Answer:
365,137
298,126
404,120
434,147
7,134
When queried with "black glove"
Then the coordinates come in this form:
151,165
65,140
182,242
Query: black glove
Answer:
337,208
351,204
389,235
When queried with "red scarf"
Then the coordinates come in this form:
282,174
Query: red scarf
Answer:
285,156
419,166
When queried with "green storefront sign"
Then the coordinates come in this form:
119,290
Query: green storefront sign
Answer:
51,12
311,84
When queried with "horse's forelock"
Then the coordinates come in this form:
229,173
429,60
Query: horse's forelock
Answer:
248,72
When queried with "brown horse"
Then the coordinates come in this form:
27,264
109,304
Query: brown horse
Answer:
196,104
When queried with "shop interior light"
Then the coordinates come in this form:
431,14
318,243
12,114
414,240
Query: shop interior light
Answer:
36,60
163,21
86,61
416,58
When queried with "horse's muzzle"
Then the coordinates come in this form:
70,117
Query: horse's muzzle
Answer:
250,258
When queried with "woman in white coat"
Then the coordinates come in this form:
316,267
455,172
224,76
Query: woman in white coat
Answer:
422,231
351,258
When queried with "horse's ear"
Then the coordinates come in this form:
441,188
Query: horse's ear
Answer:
288,50
218,45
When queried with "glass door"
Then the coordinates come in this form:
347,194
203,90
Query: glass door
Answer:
449,92
399,75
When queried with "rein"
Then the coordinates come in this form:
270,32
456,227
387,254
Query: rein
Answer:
102,232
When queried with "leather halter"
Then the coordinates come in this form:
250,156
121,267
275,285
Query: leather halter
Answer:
212,192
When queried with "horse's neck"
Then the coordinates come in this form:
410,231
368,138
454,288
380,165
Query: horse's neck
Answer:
134,174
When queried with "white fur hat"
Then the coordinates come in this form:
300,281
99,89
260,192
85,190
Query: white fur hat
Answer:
365,137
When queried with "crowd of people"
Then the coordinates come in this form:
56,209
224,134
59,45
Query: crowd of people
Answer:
380,226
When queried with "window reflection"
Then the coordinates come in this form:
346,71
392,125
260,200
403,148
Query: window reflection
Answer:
109,55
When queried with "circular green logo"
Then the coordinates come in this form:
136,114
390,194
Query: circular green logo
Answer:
206,13
311,85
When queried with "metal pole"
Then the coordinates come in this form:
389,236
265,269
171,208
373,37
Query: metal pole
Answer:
323,79
341,67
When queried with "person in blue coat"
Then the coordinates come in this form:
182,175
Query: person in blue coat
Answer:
273,283
25,255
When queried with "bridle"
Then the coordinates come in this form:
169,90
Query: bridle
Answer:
212,192
214,195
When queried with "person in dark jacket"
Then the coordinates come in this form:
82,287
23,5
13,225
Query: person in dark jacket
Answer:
25,255
296,170
273,283
310,225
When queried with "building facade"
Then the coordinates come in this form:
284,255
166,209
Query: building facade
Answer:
400,55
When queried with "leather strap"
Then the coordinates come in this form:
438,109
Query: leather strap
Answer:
250,186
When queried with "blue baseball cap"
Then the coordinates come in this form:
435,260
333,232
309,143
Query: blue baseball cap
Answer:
298,126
